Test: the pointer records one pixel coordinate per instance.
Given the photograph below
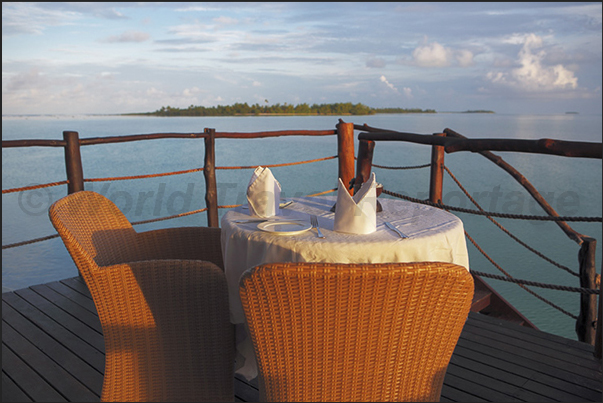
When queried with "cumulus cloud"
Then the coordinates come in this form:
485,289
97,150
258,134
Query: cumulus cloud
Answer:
432,55
532,74
129,36
436,55
390,85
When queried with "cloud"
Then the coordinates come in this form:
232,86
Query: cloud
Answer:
129,36
532,75
432,55
437,55
29,18
225,21
464,58
390,85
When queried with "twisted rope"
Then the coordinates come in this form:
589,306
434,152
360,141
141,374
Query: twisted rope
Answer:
14,245
121,178
589,291
402,168
493,214
24,188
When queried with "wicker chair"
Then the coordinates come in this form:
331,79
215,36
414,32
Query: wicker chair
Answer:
162,300
354,332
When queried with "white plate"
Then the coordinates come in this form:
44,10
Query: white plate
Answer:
285,227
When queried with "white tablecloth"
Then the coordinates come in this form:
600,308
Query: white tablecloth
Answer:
433,235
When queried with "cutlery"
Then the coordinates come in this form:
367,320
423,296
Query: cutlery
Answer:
314,222
252,220
396,230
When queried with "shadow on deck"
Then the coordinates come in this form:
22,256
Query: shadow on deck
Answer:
53,350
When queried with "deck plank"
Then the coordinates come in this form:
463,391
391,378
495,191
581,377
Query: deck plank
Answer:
82,306
501,366
40,376
550,352
11,392
55,352
531,359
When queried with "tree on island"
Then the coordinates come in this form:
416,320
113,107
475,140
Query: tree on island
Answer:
243,109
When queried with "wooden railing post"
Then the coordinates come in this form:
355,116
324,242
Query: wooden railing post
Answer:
588,302
73,162
209,172
437,172
345,151
598,334
364,163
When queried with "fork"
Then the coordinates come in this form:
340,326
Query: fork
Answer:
314,222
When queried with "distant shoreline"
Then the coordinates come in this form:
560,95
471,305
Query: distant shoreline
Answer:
304,109
375,111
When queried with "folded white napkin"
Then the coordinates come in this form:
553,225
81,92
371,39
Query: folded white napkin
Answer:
357,214
263,193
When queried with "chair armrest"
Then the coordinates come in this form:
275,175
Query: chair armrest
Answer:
189,243
174,316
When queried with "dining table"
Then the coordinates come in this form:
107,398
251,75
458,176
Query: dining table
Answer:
405,232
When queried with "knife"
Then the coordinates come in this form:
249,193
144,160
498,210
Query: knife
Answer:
396,230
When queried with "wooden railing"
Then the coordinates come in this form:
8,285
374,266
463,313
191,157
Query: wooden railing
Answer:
588,327
75,171
447,141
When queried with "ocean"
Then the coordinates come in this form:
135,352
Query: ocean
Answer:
571,186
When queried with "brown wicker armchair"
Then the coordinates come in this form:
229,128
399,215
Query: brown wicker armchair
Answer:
162,300
354,332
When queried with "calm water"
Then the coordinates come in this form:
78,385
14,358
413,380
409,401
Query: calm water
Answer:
572,186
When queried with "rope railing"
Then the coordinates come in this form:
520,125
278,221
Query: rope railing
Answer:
511,278
34,240
33,187
589,291
493,214
121,178
145,176
506,231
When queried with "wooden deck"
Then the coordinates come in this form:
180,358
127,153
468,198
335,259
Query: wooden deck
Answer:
52,350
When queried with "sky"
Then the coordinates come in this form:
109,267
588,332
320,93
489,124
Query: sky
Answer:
106,58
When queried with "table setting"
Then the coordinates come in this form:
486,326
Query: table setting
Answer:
272,229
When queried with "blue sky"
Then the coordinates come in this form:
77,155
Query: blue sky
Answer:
77,58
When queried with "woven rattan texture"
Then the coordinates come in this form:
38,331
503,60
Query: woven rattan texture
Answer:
162,300
359,332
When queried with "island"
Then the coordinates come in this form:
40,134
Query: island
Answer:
243,109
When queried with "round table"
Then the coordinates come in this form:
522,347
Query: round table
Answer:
432,235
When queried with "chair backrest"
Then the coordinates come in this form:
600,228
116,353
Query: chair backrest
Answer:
355,332
94,230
